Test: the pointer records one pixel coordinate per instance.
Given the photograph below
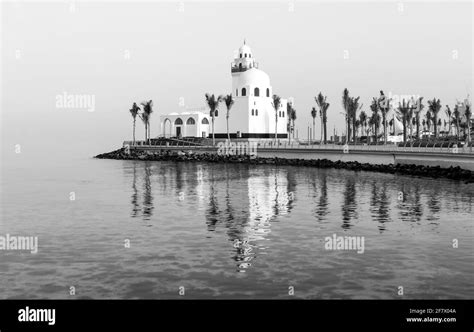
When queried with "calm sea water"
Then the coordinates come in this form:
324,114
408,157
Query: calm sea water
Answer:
231,231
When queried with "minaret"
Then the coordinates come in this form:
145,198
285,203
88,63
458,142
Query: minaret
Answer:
244,60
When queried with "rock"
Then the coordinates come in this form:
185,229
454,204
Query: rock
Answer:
455,173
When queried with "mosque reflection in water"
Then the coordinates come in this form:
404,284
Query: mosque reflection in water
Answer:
239,200
244,201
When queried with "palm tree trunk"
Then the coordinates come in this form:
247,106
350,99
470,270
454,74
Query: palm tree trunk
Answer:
404,130
134,121
385,129
354,129
149,132
213,138
146,132
276,125
289,131
325,132
227,120
313,129
348,133
322,129
468,131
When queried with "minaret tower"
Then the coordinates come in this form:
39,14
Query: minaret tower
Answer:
244,60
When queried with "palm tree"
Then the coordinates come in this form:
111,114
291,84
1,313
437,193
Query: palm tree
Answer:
293,118
323,105
457,119
369,127
313,115
429,118
325,120
322,128
363,120
418,109
375,123
213,103
229,101
134,111
403,110
146,115
375,108
468,114
345,104
410,119
435,106
276,103
354,107
289,111
449,114
384,106
358,125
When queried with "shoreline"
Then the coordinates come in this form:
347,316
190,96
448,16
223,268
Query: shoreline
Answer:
452,173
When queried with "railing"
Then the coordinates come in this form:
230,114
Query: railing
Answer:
295,145
237,69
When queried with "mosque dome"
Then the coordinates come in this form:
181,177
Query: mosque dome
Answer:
254,76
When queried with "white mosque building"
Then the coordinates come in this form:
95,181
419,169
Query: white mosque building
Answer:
251,116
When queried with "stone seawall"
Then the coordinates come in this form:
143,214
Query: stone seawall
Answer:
385,163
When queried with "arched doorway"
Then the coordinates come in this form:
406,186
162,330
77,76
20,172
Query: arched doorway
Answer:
178,124
167,130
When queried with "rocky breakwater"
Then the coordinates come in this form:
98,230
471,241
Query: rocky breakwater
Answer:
454,173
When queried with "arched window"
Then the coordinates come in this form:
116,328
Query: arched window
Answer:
253,112
244,92
256,92
240,66
236,92
256,112
178,121
190,121
240,54
245,54
268,92
205,121
250,55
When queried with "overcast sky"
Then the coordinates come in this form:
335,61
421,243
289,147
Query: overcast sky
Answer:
183,52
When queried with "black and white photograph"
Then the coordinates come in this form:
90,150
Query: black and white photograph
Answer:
315,153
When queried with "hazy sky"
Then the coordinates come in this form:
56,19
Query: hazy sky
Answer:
183,52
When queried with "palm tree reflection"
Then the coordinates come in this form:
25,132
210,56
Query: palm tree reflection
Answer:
409,202
147,194
135,204
434,206
322,207
147,204
349,207
379,204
